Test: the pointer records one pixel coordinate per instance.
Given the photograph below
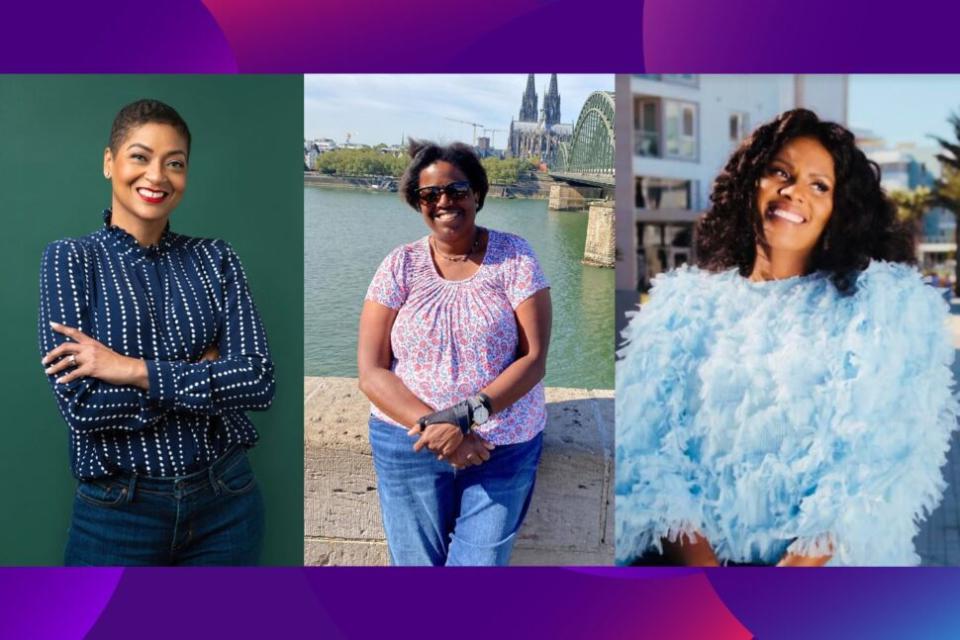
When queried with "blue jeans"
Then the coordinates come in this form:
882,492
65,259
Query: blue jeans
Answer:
435,515
211,517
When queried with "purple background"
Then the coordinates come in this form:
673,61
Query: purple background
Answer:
481,603
602,36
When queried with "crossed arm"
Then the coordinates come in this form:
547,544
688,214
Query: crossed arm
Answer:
96,360
98,388
391,395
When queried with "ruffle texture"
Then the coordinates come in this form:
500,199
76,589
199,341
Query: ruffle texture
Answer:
784,415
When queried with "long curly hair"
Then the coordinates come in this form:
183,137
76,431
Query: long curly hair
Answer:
862,227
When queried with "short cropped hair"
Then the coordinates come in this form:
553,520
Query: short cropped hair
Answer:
424,153
143,112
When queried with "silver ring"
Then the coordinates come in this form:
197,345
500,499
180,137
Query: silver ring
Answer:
73,359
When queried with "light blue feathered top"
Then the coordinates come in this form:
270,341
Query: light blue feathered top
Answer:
784,415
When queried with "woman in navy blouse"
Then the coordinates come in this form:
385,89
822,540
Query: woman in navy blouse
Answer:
154,350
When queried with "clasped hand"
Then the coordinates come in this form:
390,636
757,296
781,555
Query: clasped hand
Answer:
449,443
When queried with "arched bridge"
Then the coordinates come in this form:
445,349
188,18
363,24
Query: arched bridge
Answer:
588,157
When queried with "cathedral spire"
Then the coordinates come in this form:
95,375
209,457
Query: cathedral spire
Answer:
551,102
528,108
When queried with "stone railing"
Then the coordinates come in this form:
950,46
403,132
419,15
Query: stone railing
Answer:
570,521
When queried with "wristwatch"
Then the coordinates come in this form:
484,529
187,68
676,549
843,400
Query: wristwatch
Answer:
464,414
479,408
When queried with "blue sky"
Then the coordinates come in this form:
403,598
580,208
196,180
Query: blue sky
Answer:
381,108
904,108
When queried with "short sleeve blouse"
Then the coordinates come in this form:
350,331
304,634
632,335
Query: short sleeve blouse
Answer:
451,338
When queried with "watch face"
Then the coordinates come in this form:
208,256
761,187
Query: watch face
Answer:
480,414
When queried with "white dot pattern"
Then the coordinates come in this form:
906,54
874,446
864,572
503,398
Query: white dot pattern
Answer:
166,304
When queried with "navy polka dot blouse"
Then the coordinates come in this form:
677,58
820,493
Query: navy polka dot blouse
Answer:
166,304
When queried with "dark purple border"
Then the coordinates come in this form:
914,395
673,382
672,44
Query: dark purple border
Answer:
602,36
480,603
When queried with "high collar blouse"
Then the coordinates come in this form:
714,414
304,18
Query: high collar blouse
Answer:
166,304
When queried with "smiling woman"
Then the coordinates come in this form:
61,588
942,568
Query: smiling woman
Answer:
148,167
795,198
769,406
154,350
452,352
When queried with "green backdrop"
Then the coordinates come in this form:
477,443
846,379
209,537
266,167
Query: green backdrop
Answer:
245,186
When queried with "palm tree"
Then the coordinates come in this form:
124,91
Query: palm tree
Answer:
946,191
911,205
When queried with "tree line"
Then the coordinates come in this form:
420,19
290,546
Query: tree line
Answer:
371,162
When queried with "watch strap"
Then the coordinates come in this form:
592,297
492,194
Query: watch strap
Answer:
460,414
485,399
464,414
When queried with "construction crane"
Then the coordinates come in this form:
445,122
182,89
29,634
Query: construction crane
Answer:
494,132
472,124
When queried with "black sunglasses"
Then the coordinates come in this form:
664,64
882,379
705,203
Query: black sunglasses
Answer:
454,190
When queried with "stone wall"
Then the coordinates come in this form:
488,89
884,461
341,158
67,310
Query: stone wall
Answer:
564,197
570,521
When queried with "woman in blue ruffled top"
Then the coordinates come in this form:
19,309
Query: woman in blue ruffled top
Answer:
788,401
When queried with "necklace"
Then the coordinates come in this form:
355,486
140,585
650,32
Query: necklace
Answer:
458,258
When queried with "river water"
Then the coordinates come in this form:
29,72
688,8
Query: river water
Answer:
347,234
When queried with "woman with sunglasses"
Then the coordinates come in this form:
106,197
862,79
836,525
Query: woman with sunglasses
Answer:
452,351
154,350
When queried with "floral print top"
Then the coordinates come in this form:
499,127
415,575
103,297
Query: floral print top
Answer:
451,338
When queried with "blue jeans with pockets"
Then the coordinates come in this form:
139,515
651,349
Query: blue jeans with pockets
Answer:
214,517
435,515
